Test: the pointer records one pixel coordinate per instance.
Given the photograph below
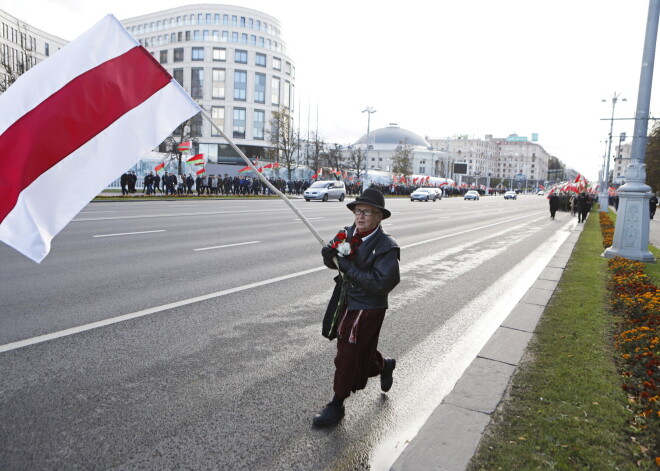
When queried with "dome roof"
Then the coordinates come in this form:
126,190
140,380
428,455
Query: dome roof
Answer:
393,135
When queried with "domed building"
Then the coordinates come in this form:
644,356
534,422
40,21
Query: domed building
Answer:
381,146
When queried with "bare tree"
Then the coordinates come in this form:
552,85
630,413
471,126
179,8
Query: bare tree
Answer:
185,132
335,157
357,160
284,138
317,152
402,159
14,63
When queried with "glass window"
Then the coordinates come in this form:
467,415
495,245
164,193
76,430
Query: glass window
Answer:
192,19
178,76
253,40
47,49
179,36
196,125
260,59
198,53
218,91
196,36
287,95
240,56
251,23
218,116
277,63
275,91
172,37
208,18
259,121
200,19
240,85
261,41
178,54
239,123
205,35
197,82
163,57
225,36
219,54
234,37
187,35
225,19
216,19
234,20
288,68
244,38
179,22
260,88
216,35
259,25
243,21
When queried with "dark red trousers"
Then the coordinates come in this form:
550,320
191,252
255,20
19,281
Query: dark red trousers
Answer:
358,358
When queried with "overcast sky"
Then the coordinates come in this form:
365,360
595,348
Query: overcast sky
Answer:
441,68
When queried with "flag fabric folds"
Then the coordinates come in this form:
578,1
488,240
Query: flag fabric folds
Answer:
160,168
86,114
196,160
185,146
200,171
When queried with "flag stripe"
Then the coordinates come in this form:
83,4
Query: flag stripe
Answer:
36,139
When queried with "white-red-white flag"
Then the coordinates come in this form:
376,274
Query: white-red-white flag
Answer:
73,123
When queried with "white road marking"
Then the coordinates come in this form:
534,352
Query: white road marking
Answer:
145,312
145,216
129,233
228,245
87,212
320,217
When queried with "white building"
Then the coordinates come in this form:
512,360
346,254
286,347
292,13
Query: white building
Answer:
22,43
233,61
508,159
382,144
621,161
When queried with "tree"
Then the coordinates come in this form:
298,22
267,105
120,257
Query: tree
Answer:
652,159
334,157
357,161
14,63
170,146
283,137
317,152
402,160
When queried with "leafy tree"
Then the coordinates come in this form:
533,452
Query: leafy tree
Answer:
402,160
25,59
652,159
357,160
284,139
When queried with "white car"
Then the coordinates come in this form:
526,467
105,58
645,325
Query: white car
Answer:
471,195
510,195
325,190
424,194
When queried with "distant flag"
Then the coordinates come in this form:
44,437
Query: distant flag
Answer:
245,169
276,165
268,166
200,171
160,168
87,113
185,146
196,160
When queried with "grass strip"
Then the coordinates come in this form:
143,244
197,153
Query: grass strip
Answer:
565,408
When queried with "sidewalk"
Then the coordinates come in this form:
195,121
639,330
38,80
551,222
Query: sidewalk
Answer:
451,435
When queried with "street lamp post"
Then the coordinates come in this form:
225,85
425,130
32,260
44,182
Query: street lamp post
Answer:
604,186
368,110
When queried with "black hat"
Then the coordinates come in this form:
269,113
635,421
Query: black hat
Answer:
372,197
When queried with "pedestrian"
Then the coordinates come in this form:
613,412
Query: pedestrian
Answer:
371,271
653,204
123,181
554,204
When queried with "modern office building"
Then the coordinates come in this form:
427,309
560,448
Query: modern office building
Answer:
21,43
233,61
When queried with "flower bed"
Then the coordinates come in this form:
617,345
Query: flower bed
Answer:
635,297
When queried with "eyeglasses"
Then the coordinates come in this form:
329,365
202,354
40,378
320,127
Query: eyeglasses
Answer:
365,212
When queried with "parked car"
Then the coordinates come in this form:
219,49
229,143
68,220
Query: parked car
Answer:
471,195
540,193
325,190
510,195
424,194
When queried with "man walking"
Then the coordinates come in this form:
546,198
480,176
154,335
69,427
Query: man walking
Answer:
368,257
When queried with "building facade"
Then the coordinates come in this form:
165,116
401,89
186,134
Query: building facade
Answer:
233,62
513,158
23,46
621,161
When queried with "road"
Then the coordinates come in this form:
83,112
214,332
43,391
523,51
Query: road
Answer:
186,334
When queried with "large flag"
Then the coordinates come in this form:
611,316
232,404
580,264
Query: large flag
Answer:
85,115
196,160
185,146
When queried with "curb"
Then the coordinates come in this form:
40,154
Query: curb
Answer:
451,435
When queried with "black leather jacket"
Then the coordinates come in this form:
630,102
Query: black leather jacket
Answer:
373,273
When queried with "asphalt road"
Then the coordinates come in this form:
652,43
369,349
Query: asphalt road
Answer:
186,335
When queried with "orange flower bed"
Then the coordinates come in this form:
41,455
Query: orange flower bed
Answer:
636,298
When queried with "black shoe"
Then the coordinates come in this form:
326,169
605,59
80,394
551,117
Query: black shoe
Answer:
386,379
329,415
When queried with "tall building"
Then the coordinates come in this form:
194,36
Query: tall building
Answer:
233,61
621,161
508,159
22,46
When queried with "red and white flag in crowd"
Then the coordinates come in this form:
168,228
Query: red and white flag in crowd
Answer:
74,123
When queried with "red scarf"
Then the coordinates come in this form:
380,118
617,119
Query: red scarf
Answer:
356,241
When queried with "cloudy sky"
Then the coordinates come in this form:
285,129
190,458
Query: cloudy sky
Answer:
441,68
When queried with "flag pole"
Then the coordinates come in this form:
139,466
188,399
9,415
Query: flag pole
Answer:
264,179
